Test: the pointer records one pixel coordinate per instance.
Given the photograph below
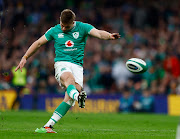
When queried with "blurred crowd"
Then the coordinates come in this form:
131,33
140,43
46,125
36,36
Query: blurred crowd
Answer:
149,30
144,102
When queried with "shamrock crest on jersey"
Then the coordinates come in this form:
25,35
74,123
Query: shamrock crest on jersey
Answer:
69,43
76,35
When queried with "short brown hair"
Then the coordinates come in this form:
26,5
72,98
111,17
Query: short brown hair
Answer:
67,16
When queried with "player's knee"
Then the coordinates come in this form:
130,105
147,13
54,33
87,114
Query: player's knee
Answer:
67,79
71,80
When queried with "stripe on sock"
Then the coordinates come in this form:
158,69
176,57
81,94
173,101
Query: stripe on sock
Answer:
58,114
54,120
73,95
72,92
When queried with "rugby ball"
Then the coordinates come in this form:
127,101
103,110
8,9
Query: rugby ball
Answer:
136,65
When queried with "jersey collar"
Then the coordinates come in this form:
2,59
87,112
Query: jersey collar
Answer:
74,25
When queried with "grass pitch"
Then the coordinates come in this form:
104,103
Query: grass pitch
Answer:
21,125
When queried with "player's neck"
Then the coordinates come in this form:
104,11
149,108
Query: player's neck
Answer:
73,25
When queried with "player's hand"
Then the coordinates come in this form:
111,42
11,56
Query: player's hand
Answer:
21,64
114,36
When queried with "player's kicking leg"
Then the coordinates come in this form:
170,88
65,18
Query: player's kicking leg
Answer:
81,99
74,89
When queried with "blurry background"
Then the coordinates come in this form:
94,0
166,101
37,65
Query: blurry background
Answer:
149,30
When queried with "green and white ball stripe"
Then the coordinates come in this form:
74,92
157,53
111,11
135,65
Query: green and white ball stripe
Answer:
136,65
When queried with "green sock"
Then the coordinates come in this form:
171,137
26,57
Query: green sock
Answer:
60,111
72,92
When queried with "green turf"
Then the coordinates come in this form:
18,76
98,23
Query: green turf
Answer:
21,125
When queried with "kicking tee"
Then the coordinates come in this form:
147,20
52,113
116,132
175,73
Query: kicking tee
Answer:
69,46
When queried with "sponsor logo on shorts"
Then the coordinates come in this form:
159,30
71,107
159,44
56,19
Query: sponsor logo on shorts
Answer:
63,69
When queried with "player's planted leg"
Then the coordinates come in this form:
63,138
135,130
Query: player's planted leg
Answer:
60,111
45,130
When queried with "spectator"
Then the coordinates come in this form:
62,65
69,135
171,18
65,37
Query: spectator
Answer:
145,102
18,82
126,102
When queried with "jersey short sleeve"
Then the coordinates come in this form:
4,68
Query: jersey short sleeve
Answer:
87,27
49,34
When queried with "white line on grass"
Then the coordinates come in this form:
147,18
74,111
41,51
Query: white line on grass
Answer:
178,132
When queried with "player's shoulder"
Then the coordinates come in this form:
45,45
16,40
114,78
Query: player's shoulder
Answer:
82,25
79,23
57,26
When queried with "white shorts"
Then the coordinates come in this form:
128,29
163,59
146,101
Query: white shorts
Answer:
76,70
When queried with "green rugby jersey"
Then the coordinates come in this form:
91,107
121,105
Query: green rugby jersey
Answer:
69,46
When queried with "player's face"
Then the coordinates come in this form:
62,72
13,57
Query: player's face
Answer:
66,27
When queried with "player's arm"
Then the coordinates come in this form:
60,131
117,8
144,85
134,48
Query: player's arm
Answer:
32,49
104,35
